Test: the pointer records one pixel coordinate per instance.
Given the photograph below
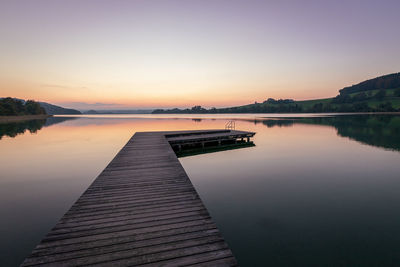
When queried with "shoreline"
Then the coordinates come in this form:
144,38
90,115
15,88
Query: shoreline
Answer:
7,119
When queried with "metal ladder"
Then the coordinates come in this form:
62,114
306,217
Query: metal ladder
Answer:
230,125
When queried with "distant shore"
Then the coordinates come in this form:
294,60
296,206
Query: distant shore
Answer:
7,119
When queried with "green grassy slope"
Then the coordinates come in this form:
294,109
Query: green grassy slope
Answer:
381,94
372,103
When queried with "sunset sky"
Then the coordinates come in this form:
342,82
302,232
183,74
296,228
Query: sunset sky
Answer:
158,54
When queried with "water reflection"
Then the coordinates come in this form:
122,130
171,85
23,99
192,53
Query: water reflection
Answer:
15,128
12,129
305,195
375,130
55,120
212,149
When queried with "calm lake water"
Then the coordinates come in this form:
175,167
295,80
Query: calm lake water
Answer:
313,191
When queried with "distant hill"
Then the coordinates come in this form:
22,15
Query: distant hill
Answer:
122,111
57,110
91,112
381,94
17,107
389,81
49,109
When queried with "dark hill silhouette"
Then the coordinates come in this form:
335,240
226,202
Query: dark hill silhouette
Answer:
15,107
381,94
57,110
389,81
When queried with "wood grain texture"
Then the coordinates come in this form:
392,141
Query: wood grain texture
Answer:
141,210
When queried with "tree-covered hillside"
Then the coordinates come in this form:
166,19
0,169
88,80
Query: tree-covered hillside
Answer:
381,94
57,110
15,107
385,82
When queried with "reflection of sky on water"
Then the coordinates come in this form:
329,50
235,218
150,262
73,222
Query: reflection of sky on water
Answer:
303,195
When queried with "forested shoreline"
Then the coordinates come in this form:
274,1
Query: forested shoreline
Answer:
15,107
381,94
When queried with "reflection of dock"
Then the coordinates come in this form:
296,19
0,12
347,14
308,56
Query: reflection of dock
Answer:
141,210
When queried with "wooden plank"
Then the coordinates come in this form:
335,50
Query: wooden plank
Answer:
119,219
71,217
127,226
74,229
141,210
178,257
94,239
129,250
139,237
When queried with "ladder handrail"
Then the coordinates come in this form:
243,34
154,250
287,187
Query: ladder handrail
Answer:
230,125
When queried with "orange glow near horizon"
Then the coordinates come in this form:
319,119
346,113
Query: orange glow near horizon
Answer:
210,96
134,54
98,140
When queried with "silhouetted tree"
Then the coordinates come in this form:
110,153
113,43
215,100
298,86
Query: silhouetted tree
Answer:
384,82
13,107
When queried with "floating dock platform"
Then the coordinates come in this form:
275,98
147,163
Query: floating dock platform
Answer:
142,210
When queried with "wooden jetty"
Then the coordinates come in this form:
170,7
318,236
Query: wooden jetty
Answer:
141,210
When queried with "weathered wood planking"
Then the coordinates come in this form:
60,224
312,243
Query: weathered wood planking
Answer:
141,210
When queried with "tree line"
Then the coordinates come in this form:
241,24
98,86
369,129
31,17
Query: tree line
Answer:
380,83
367,96
341,103
15,107
285,108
